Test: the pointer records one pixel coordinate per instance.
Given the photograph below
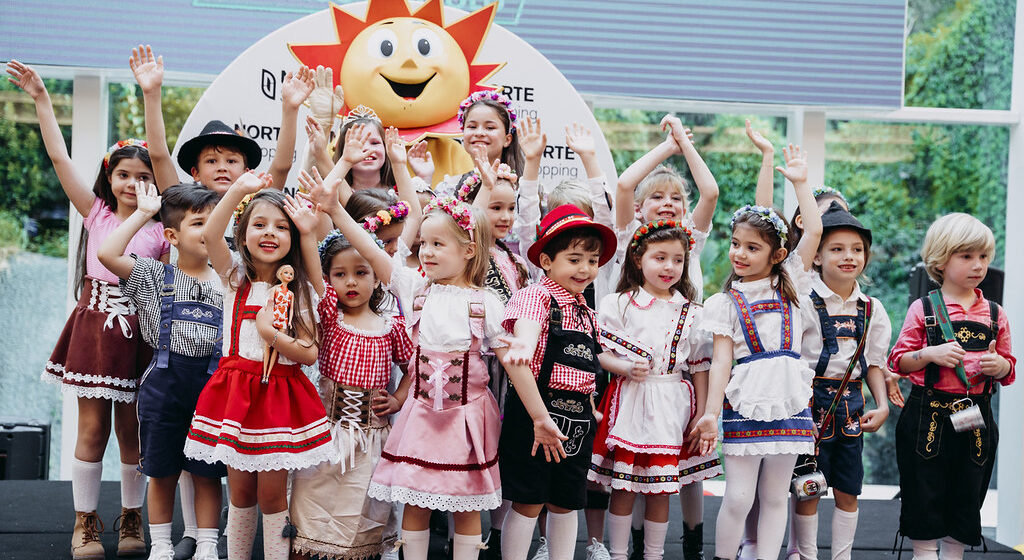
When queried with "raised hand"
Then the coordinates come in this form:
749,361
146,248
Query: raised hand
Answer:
316,135
250,182
395,146
580,140
548,437
147,198
26,78
302,215
323,197
488,170
296,87
357,140
148,70
531,140
325,101
421,161
796,164
677,133
762,143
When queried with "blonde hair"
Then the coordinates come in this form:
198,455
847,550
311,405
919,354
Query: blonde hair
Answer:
954,233
476,269
573,192
661,176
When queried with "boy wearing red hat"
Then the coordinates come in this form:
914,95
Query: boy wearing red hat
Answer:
547,435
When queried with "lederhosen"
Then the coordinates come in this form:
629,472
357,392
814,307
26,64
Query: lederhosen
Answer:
944,475
531,479
170,387
841,445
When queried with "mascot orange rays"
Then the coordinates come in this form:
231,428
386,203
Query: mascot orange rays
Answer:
410,67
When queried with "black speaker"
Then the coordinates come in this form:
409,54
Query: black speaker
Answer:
24,450
921,284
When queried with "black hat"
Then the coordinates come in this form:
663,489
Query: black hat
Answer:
216,133
837,217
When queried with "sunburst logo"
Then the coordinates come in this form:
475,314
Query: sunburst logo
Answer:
408,65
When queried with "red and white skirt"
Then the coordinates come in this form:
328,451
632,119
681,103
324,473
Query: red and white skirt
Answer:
251,426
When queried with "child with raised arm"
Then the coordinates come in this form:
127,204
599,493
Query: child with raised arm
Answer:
180,318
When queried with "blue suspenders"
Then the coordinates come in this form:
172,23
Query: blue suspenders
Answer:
191,311
834,327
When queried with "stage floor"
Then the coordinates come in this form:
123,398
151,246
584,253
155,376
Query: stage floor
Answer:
36,521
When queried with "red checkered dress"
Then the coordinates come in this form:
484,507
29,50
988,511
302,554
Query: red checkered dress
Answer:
534,302
359,358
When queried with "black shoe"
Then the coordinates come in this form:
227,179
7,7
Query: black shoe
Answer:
493,551
638,544
185,549
693,542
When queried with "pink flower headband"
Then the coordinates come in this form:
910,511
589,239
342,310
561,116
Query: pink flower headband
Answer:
383,218
499,98
122,144
457,209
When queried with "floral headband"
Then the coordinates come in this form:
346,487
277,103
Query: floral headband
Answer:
471,182
242,204
457,209
383,218
321,248
644,231
360,112
820,191
505,172
495,96
766,214
122,144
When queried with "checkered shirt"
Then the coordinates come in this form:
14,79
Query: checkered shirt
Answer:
360,358
534,302
143,288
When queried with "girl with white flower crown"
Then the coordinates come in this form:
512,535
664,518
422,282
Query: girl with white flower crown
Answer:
766,421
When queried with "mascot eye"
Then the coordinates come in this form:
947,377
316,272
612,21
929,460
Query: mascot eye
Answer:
382,43
428,44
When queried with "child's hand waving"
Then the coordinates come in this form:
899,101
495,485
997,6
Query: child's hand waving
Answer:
148,70
324,101
421,162
316,135
25,78
296,87
250,182
762,143
796,165
357,140
395,146
580,140
147,199
488,170
322,196
302,215
677,132
531,140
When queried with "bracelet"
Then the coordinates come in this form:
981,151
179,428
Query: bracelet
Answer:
273,341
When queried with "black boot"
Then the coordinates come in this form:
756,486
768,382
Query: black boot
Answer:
638,544
693,542
493,551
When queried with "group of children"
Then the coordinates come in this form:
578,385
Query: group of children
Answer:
459,364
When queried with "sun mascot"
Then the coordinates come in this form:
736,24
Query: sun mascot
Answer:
411,68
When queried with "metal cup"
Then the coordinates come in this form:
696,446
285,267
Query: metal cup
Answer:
811,485
967,416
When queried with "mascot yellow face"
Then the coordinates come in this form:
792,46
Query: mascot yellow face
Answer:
409,66
411,71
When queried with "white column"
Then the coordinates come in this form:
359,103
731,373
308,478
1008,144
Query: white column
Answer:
89,122
1010,458
807,129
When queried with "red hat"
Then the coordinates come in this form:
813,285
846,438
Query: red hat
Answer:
565,218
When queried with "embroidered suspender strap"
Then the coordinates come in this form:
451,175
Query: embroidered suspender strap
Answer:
864,306
746,313
163,349
946,328
747,320
677,337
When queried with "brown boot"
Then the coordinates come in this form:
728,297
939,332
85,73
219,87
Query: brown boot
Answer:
85,540
129,527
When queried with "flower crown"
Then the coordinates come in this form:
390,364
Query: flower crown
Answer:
321,248
647,229
828,190
383,218
471,182
242,204
457,209
493,96
360,112
766,214
122,144
505,172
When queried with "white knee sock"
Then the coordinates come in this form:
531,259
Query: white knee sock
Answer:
160,533
740,488
133,486
618,527
516,535
804,538
654,539
773,493
925,550
241,531
844,528
498,514
561,532
465,547
691,498
207,535
951,549
275,546
85,484
417,543
187,490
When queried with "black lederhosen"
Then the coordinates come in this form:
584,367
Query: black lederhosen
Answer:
944,475
530,479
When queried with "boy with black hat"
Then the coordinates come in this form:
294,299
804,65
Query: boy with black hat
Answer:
547,435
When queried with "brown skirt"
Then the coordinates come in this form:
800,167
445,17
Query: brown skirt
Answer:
100,354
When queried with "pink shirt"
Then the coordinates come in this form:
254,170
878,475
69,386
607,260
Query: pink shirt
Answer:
913,337
148,242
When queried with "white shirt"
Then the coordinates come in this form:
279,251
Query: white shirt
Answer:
876,347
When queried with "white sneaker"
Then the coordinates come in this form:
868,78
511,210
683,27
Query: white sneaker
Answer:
542,550
161,551
597,551
206,551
